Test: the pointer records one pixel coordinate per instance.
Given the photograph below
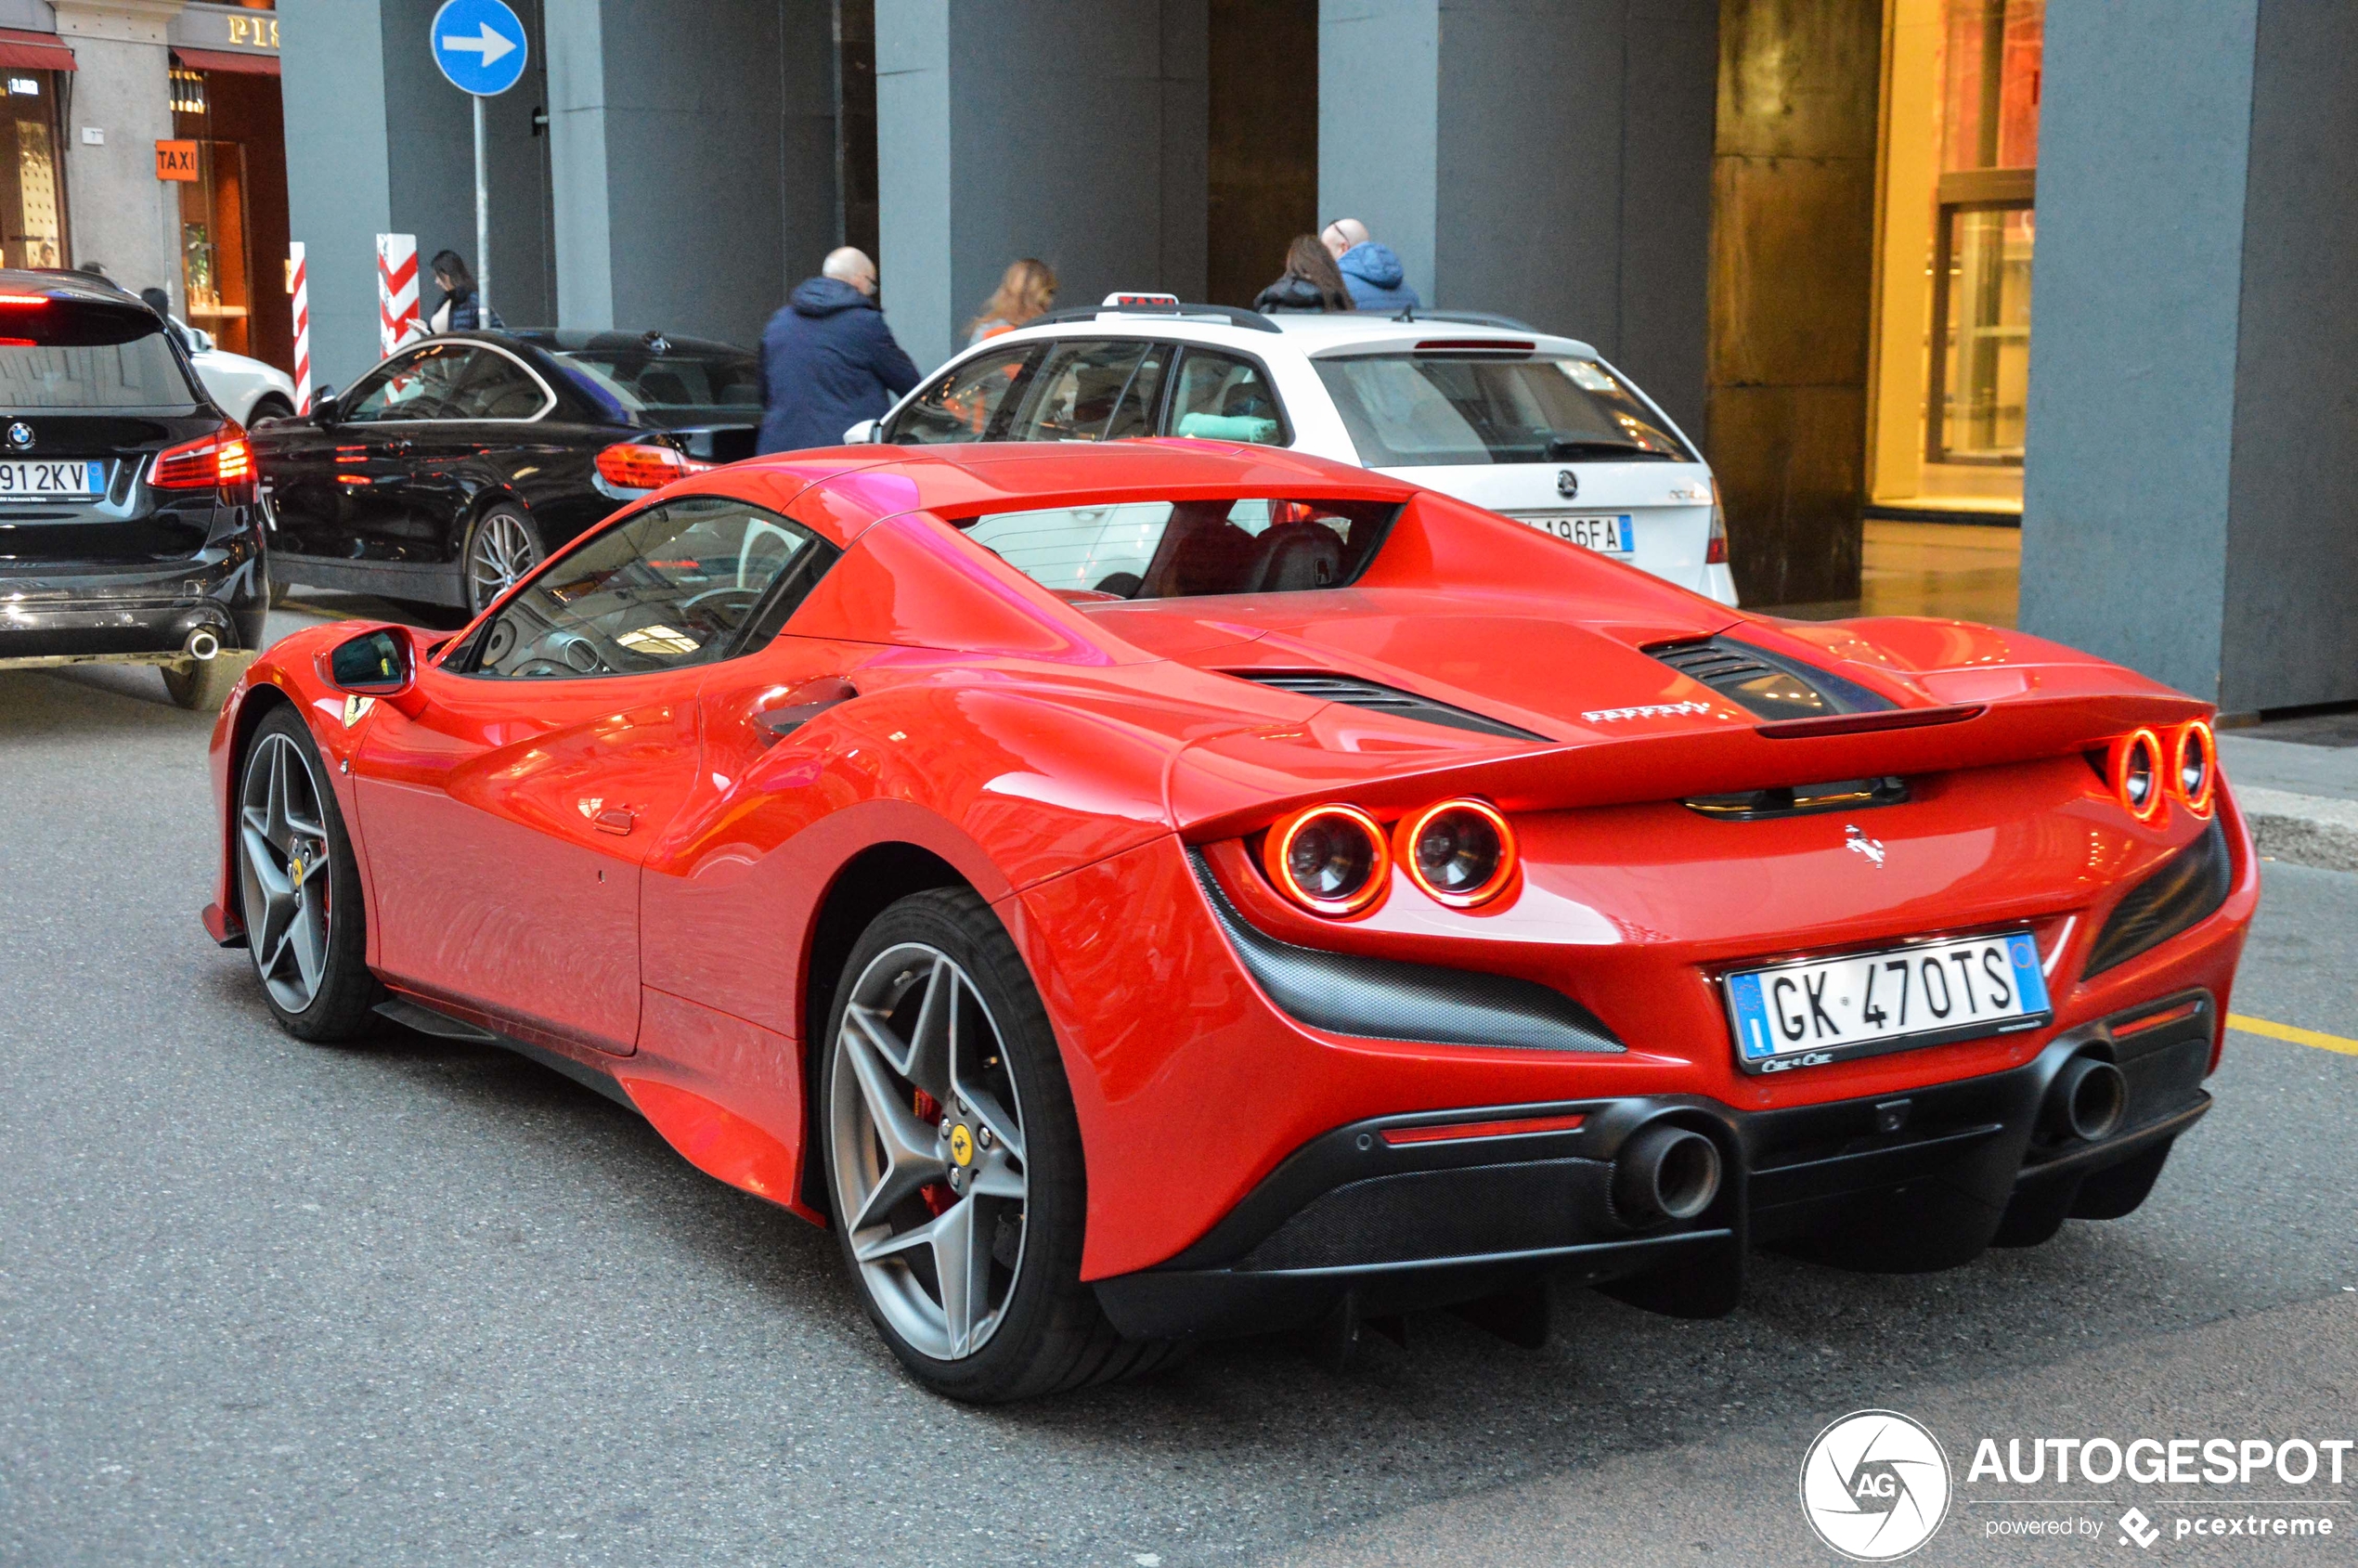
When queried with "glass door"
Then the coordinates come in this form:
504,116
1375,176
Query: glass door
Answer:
215,279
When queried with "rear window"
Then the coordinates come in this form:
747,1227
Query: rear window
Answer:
1422,411
1166,550
667,378
64,353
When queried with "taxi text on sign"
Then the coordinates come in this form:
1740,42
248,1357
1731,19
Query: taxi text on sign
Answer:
175,161
479,45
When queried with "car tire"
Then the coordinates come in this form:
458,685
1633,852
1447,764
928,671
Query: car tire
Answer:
202,685
502,545
269,407
1001,1086
308,937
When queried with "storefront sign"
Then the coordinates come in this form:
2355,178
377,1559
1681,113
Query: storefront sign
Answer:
175,161
234,28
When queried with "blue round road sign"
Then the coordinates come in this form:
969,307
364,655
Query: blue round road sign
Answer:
479,45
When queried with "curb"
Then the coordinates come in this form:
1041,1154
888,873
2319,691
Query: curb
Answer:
2303,829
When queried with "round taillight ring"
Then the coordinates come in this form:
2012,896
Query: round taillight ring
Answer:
1460,852
2194,766
2136,773
1331,859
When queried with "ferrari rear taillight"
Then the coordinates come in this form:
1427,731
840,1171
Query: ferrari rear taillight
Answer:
220,460
1716,553
1331,859
646,465
2195,766
1460,852
2135,770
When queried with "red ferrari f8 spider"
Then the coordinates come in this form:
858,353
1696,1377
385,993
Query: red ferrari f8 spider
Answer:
1168,889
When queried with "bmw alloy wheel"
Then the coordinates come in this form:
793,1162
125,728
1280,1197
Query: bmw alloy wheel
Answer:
502,550
925,1120
284,872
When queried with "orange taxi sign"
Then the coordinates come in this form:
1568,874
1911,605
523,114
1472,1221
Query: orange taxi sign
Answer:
175,161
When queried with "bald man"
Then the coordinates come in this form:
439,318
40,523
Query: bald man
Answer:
1370,271
828,361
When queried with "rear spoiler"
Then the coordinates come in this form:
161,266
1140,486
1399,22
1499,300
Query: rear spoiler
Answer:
1229,785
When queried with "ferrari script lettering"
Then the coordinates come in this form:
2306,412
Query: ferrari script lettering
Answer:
1647,710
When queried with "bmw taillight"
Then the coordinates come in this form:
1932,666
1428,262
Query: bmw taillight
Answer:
1716,553
636,467
222,461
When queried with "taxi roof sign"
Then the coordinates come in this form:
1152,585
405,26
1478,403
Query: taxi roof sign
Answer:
1116,301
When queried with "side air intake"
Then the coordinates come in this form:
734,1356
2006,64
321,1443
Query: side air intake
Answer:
1352,692
1766,683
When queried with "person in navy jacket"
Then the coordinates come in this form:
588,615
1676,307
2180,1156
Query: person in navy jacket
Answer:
828,361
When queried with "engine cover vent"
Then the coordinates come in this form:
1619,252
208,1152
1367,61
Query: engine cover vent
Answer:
1352,692
1769,684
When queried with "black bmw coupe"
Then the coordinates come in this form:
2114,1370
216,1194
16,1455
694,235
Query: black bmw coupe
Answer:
455,466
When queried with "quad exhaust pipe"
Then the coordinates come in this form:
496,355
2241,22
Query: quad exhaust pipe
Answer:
2088,1101
1666,1172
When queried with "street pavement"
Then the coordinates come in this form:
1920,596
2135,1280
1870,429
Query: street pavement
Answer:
423,1303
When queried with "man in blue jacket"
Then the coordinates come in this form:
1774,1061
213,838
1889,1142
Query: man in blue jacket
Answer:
1370,271
829,360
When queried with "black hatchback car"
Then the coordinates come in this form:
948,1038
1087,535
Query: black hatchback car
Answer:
455,466
130,530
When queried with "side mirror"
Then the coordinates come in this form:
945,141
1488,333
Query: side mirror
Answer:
203,343
323,406
861,434
375,664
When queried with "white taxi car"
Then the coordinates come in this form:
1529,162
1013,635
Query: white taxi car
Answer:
1539,428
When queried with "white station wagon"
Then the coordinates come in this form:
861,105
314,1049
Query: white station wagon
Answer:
1537,428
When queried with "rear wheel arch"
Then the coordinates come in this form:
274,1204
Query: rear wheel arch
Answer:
863,889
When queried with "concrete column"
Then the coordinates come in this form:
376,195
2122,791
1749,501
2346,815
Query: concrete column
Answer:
378,142
2193,448
1548,159
693,151
120,215
1061,129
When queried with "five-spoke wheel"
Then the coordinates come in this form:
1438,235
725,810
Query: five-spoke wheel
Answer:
299,892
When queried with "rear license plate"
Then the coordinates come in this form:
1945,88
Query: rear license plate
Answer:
1823,1010
61,477
1608,534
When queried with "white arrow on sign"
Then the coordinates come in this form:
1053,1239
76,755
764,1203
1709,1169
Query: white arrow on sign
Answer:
491,46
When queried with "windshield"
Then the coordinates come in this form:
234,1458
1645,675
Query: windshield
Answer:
668,377
1164,550
1420,410
62,354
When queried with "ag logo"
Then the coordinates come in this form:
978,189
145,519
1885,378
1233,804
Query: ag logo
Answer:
1874,1485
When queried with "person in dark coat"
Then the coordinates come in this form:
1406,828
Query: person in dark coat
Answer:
459,311
1310,283
1370,271
828,361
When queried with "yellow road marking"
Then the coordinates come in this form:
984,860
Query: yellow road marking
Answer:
2248,1025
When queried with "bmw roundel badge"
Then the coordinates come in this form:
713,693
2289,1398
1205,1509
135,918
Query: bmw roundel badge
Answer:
1567,484
20,436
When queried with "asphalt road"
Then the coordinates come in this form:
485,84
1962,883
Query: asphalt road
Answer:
425,1302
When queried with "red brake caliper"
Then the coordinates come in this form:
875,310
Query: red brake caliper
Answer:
937,1195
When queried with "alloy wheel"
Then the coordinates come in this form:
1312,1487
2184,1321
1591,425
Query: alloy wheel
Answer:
926,1126
502,552
284,871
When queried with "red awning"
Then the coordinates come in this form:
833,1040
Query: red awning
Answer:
33,51
225,59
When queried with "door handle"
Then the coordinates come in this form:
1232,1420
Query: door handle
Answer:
801,705
614,819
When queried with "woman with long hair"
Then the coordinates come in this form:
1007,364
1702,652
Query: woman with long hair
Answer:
459,311
1025,292
1311,281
